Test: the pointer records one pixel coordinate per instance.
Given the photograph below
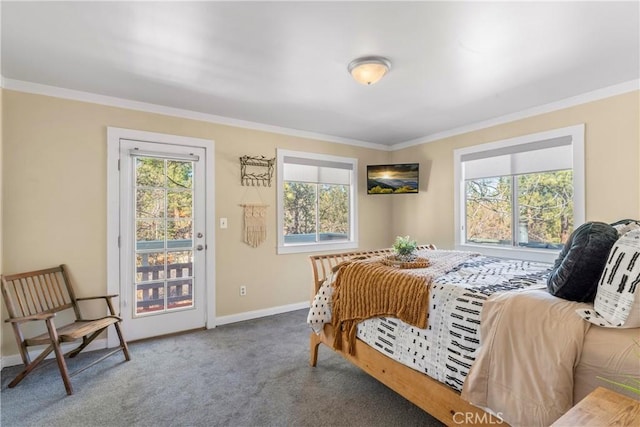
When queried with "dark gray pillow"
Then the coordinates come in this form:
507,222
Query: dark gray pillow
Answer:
579,266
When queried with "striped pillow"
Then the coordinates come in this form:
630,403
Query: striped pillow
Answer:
617,302
626,225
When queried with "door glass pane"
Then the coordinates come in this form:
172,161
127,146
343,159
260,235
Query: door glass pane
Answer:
164,223
149,297
150,284
180,229
149,172
179,204
149,266
149,233
179,174
179,266
150,203
180,294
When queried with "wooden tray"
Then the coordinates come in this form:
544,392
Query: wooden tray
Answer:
393,261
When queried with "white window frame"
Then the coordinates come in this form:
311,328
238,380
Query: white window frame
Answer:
576,133
288,248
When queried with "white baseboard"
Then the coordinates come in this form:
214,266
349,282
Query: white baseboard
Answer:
99,344
15,359
249,315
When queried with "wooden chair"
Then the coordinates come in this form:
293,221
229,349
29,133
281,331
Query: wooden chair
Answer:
38,296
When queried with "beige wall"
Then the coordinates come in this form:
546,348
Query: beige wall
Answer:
54,201
1,200
612,156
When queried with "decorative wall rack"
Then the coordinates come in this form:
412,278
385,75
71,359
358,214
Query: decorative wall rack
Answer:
256,171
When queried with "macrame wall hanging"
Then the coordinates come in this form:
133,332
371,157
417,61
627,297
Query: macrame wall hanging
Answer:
255,224
255,171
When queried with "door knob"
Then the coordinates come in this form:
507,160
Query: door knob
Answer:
199,247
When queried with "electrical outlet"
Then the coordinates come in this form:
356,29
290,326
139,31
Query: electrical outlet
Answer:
243,291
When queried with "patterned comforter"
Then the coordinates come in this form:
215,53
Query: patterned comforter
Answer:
446,348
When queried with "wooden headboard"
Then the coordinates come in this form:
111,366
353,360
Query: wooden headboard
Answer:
323,265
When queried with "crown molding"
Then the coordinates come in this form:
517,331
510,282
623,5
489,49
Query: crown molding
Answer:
76,95
58,92
595,95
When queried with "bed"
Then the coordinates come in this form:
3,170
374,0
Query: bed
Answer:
436,374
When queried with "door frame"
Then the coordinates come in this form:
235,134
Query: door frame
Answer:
114,135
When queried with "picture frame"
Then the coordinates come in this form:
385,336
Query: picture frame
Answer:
398,178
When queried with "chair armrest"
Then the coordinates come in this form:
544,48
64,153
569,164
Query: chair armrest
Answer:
97,297
106,298
39,316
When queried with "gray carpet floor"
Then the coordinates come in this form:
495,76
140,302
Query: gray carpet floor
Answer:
252,373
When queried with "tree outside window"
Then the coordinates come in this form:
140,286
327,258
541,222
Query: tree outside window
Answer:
540,216
317,203
315,212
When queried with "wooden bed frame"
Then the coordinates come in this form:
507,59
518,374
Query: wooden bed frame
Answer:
436,398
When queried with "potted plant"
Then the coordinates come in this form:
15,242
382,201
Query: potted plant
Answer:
405,248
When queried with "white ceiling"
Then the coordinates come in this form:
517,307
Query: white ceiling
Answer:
284,64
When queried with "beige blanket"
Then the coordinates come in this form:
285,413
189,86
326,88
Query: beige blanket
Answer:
531,343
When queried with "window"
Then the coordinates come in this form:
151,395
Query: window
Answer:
316,202
520,197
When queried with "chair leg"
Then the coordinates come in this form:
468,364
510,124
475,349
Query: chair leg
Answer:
62,365
28,367
85,342
123,343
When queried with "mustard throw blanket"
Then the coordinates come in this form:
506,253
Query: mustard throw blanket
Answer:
365,289
368,288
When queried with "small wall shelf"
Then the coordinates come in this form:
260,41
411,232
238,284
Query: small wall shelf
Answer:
256,171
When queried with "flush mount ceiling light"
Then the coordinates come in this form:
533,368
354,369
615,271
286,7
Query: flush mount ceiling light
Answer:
369,69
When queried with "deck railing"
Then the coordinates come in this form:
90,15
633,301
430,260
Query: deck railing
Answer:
151,293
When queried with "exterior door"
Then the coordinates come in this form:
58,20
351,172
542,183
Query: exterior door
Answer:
162,238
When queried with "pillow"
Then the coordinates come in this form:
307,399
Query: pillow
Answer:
626,225
577,270
617,302
320,312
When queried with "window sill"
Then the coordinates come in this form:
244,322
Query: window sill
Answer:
316,247
537,255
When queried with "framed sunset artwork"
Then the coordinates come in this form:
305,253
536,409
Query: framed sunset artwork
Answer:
400,178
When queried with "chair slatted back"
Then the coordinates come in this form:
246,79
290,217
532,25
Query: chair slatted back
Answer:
42,291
